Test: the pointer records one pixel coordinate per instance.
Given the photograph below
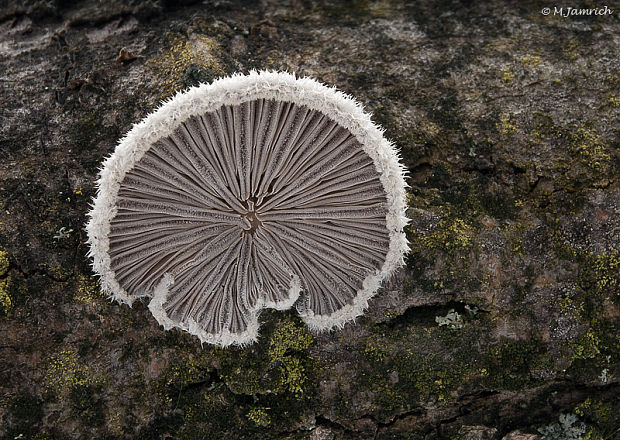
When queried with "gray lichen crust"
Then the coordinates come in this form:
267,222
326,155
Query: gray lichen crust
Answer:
251,191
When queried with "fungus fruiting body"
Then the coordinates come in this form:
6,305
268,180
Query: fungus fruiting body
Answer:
256,191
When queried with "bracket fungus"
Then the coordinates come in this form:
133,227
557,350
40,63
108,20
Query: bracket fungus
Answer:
256,191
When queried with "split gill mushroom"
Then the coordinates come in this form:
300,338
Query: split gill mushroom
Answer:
256,191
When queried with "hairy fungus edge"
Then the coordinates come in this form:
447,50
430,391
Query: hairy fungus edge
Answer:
234,90
250,335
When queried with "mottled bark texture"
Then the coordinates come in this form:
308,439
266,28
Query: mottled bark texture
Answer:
507,120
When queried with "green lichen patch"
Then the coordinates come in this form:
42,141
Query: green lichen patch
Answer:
595,356
186,371
590,150
237,392
402,375
88,291
451,234
531,60
288,337
270,385
213,412
259,416
453,240
280,364
187,61
507,76
584,157
593,304
6,302
602,418
586,346
408,365
600,275
4,263
468,198
491,182
191,388
65,371
16,290
506,124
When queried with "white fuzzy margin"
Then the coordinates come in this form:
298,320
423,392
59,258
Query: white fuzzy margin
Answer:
235,90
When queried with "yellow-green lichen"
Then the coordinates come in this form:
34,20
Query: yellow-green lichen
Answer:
603,418
436,365
374,352
197,50
591,150
570,49
421,377
294,375
593,351
387,398
452,233
6,303
58,272
4,263
507,76
114,422
182,376
570,306
288,336
259,416
453,239
88,291
430,128
278,364
584,159
512,361
606,268
587,346
65,370
288,339
506,124
599,278
531,61
188,370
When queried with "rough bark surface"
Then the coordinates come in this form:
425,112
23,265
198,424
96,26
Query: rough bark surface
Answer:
507,314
